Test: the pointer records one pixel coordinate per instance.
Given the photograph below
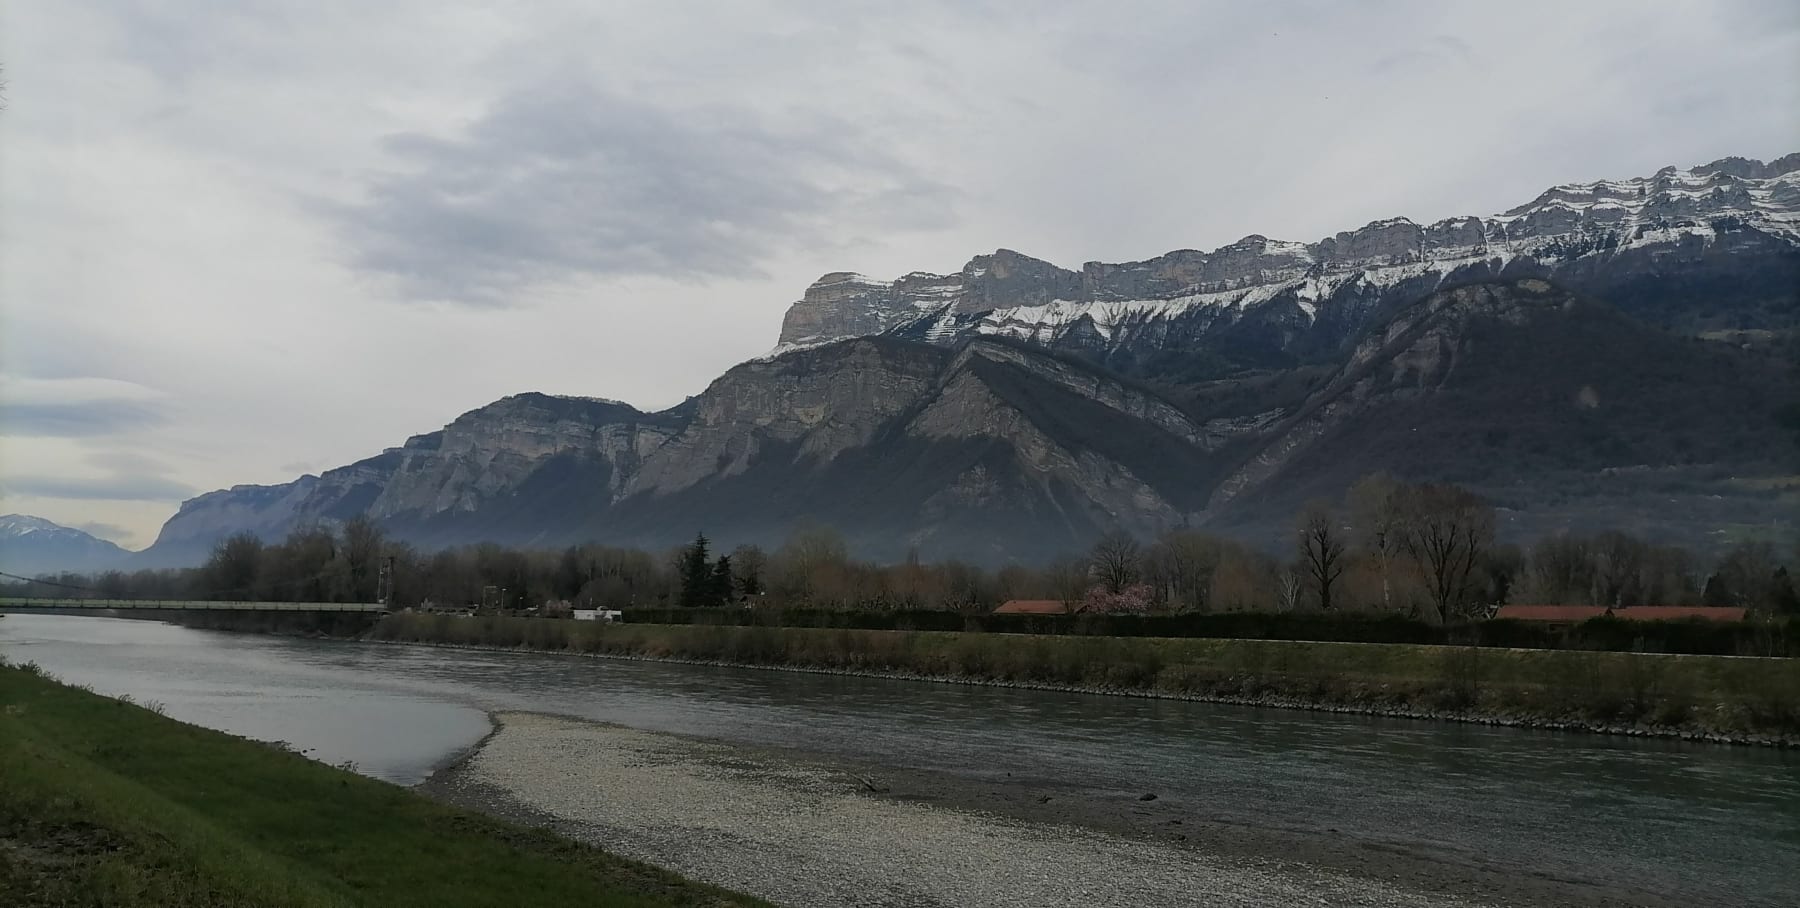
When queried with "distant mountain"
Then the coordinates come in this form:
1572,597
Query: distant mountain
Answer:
31,546
1556,358
1715,247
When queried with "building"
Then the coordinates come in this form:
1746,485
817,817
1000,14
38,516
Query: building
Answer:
1572,614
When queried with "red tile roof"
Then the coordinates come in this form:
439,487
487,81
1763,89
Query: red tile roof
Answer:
1574,613
1677,612
1033,607
1570,613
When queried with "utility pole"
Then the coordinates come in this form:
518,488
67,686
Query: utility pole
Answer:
384,582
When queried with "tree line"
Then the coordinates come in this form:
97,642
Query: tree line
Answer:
1423,550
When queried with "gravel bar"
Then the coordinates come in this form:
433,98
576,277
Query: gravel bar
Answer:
807,833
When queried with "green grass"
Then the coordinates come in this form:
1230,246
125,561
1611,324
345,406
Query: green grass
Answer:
105,803
1735,695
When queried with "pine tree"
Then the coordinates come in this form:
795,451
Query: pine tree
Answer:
722,585
696,574
1716,593
1783,599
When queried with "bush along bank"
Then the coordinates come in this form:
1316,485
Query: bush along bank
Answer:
1771,637
1749,700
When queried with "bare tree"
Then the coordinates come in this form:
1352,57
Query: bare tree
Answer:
1376,517
234,568
1618,560
1289,585
1748,571
1067,580
1321,550
1447,529
1181,566
361,552
1562,570
1116,561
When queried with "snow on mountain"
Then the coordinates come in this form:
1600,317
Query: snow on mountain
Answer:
1568,229
32,545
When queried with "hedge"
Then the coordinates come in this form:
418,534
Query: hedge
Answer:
1779,637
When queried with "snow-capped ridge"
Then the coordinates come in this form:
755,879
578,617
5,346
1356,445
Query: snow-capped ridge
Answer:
1010,293
32,546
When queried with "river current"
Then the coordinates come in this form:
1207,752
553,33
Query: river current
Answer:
1721,824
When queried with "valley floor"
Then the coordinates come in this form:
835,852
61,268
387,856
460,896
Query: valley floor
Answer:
806,830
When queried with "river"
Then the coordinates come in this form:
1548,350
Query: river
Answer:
1707,824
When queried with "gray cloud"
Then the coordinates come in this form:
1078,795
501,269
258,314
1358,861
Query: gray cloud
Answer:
110,531
78,419
571,180
1440,52
159,163
127,462
117,487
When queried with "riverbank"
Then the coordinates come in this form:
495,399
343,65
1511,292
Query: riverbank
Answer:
806,830
1722,699
107,803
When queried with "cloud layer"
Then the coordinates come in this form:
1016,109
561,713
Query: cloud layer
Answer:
263,236
566,180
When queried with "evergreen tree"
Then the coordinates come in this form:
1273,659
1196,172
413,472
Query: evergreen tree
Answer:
1716,593
1784,599
722,583
695,569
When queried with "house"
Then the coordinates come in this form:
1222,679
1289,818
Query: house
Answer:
1572,614
1034,607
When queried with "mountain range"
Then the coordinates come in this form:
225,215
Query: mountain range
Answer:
33,546
1608,354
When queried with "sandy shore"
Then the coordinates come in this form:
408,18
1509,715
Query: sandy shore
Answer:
807,831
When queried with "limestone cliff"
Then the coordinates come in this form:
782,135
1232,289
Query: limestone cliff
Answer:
1730,229
1546,356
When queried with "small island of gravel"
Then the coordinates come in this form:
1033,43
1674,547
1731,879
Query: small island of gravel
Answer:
807,830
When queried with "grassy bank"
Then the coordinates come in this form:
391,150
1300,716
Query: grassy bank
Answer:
1768,636
106,803
1739,697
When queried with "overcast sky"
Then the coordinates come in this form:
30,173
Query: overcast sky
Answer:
240,242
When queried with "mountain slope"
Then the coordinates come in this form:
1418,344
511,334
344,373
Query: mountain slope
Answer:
1717,246
1548,356
31,546
1550,402
992,449
1560,407
531,465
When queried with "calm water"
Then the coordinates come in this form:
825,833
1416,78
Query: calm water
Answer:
1718,825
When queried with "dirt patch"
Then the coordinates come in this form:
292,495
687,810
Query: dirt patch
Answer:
40,862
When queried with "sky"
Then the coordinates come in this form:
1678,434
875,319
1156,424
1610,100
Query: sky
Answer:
241,242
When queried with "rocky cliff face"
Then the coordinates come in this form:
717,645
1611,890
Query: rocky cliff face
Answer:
478,461
1015,409
1000,449
1732,225
901,444
1566,412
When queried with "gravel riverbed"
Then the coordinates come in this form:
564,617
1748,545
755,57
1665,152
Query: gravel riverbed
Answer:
804,831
